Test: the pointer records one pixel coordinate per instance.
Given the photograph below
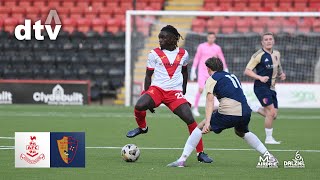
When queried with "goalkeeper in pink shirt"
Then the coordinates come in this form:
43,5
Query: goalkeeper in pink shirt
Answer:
205,51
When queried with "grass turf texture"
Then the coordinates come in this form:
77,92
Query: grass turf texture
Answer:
106,126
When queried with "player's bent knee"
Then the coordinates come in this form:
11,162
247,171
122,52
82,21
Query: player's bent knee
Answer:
140,107
188,120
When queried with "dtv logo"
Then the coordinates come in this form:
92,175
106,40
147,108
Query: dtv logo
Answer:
38,27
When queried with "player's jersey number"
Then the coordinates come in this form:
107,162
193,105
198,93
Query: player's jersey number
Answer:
234,80
179,95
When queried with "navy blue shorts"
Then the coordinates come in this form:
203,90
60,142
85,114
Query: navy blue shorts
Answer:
266,96
219,122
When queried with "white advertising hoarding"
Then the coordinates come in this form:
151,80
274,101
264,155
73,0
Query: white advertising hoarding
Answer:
290,95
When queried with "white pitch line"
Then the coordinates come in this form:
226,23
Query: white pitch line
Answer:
209,149
6,137
120,115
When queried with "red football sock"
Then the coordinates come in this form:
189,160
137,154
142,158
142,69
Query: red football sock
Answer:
140,117
191,127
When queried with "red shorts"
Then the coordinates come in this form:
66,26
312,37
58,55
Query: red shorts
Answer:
172,99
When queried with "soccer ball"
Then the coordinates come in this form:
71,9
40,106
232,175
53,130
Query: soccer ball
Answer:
130,153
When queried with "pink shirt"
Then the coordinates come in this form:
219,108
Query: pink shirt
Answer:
204,52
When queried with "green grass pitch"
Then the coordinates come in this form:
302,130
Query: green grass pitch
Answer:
106,127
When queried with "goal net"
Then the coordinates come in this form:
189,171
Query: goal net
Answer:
297,37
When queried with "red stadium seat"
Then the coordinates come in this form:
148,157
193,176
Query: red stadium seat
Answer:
275,25
112,4
33,13
300,5
209,4
126,5
228,25
106,12
304,24
4,12
53,4
141,5
213,25
68,25
289,26
258,25
243,25
91,13
25,3
98,25
1,24
76,13
226,3
283,4
316,25
113,25
270,3
83,4
156,5
254,5
198,25
10,3
240,4
44,11
10,24
39,3
314,4
68,4
83,25
18,12
97,3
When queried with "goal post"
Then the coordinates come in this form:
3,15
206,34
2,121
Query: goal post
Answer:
296,43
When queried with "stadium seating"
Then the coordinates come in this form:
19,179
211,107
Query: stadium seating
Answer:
283,25
91,42
299,59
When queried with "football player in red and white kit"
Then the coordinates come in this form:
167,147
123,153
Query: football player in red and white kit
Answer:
168,64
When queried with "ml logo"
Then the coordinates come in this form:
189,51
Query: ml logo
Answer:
38,27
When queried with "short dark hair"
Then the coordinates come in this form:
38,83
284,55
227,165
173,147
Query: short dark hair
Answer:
172,30
215,64
209,33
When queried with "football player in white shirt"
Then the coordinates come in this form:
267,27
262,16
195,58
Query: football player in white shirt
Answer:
168,64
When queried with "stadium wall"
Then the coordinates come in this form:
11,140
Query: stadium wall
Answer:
51,92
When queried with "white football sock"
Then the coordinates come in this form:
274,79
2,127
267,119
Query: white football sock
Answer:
254,142
268,132
191,144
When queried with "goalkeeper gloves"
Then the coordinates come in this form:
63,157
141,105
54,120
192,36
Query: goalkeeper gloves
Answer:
193,75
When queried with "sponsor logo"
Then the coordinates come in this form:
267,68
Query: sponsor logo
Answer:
297,162
58,97
5,97
267,161
38,27
265,100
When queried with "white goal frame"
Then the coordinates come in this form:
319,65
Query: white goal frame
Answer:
130,13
